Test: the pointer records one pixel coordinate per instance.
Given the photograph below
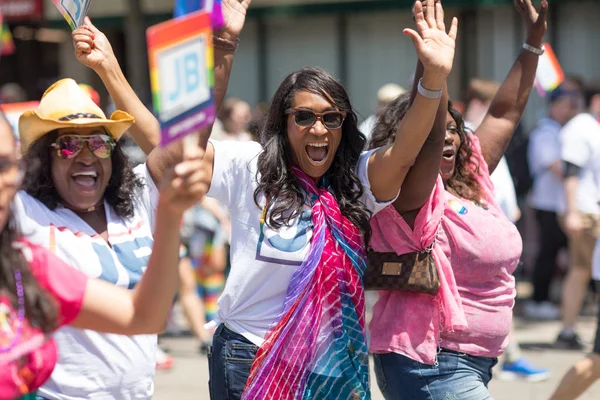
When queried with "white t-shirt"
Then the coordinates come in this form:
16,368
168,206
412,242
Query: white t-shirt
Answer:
504,190
262,260
544,150
581,146
91,364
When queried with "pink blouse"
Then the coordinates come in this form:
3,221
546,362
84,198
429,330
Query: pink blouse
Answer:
476,253
29,356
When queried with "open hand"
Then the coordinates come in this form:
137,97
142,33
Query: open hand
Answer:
234,16
535,23
92,48
435,48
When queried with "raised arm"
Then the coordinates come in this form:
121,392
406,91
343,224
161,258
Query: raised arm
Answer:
108,308
93,50
500,123
421,177
389,166
147,129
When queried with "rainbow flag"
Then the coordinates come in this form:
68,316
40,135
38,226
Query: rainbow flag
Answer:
549,74
183,7
7,44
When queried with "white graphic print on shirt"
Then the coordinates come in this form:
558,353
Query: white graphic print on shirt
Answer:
290,244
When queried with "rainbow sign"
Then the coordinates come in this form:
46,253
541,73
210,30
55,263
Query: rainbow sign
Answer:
549,73
181,62
74,11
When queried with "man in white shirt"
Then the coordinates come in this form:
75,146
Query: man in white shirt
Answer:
546,167
580,211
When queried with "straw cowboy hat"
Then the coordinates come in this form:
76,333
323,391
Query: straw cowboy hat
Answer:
66,105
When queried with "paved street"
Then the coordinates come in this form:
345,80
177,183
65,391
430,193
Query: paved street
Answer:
188,379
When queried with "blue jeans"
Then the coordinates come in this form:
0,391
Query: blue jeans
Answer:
229,362
597,339
459,376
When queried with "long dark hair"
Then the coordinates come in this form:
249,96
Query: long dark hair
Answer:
40,308
462,183
276,179
122,188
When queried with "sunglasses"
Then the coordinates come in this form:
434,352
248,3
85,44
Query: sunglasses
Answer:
307,118
68,146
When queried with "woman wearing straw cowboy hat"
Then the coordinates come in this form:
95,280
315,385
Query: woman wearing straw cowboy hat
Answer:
84,203
39,293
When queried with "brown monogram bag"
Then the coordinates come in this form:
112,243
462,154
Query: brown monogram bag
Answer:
413,272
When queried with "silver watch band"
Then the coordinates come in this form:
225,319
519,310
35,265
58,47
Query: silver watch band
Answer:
429,94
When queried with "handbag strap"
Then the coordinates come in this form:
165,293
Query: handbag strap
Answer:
429,248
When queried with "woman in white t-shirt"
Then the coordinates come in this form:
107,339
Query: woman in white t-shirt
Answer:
291,317
83,202
40,293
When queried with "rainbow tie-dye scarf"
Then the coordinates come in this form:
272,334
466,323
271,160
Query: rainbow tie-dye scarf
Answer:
318,349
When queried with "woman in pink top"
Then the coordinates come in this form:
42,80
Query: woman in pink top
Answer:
444,347
39,293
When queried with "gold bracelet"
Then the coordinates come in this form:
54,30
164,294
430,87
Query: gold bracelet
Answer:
224,44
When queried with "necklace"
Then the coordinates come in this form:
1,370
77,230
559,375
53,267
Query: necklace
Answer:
20,313
87,210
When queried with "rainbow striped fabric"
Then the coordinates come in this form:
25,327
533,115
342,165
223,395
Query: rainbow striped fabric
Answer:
318,349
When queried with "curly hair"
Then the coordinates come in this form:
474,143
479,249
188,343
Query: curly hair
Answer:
275,177
462,183
40,308
122,187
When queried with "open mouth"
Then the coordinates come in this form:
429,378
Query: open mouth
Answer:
448,154
317,152
85,179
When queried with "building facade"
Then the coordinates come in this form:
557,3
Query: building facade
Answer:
360,42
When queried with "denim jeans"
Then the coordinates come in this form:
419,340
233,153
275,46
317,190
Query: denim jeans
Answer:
459,376
229,362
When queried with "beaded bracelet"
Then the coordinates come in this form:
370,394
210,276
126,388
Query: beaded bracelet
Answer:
20,313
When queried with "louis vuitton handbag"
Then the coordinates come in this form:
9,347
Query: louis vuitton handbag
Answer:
413,272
